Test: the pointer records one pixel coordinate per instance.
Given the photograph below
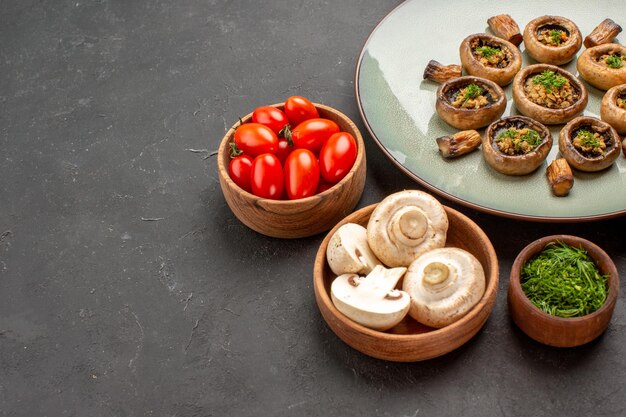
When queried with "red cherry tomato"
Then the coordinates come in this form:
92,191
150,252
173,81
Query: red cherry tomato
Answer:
284,149
302,174
271,117
298,109
313,133
239,170
266,177
254,139
337,156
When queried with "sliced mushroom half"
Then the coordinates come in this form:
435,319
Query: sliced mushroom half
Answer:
603,66
548,94
489,57
444,285
348,251
552,39
470,102
371,301
613,108
406,224
516,145
589,144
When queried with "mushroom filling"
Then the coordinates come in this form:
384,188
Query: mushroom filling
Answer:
490,54
621,101
612,60
518,141
552,35
471,96
550,90
590,141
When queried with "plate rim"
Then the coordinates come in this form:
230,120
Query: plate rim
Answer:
438,191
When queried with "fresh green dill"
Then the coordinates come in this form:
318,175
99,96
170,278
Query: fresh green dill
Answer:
614,61
588,139
532,137
555,36
506,134
487,51
471,91
564,281
550,80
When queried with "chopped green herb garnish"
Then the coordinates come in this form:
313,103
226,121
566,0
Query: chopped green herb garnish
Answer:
532,137
588,139
487,51
555,36
564,281
550,80
614,61
509,133
471,91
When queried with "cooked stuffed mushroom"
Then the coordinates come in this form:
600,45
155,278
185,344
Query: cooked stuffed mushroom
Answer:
603,66
589,144
552,39
548,94
470,102
516,145
613,108
490,57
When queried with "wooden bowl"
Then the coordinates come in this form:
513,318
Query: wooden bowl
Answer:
553,330
295,218
410,341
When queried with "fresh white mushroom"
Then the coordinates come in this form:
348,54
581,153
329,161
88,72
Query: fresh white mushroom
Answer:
444,284
371,301
406,224
348,251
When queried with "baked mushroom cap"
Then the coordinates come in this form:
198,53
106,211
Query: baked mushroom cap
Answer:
552,39
613,108
371,301
589,144
603,66
489,57
469,118
516,164
406,224
444,284
564,110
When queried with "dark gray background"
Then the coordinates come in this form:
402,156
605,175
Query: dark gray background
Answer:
105,314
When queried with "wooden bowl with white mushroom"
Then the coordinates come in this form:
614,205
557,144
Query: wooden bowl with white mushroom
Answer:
389,331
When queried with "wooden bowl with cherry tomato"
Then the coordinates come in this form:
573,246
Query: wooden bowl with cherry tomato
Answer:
292,191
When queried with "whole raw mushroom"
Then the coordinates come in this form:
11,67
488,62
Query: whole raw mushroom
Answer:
348,251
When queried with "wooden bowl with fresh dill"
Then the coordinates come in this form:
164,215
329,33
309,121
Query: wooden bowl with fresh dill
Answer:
563,290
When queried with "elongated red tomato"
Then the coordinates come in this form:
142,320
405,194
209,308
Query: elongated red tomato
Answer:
266,176
337,156
284,149
254,139
302,174
271,117
313,133
298,109
239,170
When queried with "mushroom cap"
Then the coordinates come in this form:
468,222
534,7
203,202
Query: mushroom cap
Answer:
599,75
444,285
555,55
585,163
465,119
348,251
501,76
609,110
371,301
515,164
406,224
544,114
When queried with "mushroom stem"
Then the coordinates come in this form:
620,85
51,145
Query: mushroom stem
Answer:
409,225
440,73
503,26
381,280
435,273
603,33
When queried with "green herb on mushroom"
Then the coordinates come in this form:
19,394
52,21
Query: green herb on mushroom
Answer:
550,80
614,61
564,281
518,141
589,143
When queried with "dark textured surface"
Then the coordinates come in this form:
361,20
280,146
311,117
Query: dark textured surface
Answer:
127,287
